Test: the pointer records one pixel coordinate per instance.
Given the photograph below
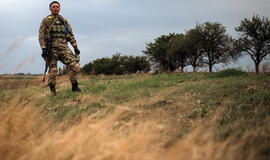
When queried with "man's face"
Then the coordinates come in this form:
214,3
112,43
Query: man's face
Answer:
55,9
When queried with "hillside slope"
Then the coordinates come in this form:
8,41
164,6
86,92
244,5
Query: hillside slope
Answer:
222,115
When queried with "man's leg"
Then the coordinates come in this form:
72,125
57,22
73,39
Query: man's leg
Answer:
74,69
52,74
68,58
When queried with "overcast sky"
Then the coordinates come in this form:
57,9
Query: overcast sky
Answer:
104,27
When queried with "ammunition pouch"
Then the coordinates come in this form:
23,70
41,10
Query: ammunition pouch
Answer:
59,29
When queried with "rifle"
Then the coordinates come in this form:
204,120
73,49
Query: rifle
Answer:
47,58
78,58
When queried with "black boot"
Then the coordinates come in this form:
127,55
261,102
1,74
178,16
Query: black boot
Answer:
75,87
52,87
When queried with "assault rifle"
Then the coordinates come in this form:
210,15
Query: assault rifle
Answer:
47,58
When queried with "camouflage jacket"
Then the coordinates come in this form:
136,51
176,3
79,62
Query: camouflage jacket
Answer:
43,33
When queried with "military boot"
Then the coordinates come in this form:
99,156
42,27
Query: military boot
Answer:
52,87
75,87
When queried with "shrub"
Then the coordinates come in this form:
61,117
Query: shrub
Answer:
230,72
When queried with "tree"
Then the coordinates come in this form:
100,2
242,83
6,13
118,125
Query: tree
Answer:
103,66
118,62
157,51
117,65
194,48
254,38
178,52
135,64
130,65
140,64
165,52
87,68
216,44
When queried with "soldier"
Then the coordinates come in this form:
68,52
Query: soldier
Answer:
54,33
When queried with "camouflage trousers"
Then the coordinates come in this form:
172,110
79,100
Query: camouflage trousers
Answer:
65,55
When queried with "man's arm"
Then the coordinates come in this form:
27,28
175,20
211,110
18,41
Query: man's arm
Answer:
71,36
42,34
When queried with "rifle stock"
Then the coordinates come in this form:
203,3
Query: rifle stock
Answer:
78,58
47,58
46,68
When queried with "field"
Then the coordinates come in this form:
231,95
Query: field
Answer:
223,115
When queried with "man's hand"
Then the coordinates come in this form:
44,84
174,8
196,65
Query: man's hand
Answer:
76,50
44,52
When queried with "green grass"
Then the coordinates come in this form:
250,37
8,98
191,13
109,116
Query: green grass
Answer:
243,98
233,104
125,90
227,90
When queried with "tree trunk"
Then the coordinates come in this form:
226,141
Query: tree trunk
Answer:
194,68
171,68
182,65
210,68
257,67
182,70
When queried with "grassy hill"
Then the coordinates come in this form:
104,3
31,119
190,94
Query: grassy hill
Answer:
224,115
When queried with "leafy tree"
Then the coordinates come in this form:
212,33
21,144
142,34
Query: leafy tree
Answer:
103,66
130,64
254,38
143,64
118,62
159,52
217,45
87,68
117,65
178,52
138,64
194,48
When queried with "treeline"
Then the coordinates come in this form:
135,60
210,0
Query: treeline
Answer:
206,44
118,64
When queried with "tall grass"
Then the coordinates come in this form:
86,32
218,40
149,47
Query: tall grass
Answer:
162,116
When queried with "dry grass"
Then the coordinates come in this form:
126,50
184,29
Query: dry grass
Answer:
146,128
21,129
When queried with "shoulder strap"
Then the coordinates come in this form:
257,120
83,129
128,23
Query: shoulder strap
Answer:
51,24
65,24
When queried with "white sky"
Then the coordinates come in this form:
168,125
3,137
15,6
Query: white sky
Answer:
104,27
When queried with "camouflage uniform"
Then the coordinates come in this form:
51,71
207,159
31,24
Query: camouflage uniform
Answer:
60,34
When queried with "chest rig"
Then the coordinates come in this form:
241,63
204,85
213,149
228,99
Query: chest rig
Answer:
58,29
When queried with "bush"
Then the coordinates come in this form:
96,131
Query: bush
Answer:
87,69
230,72
117,65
